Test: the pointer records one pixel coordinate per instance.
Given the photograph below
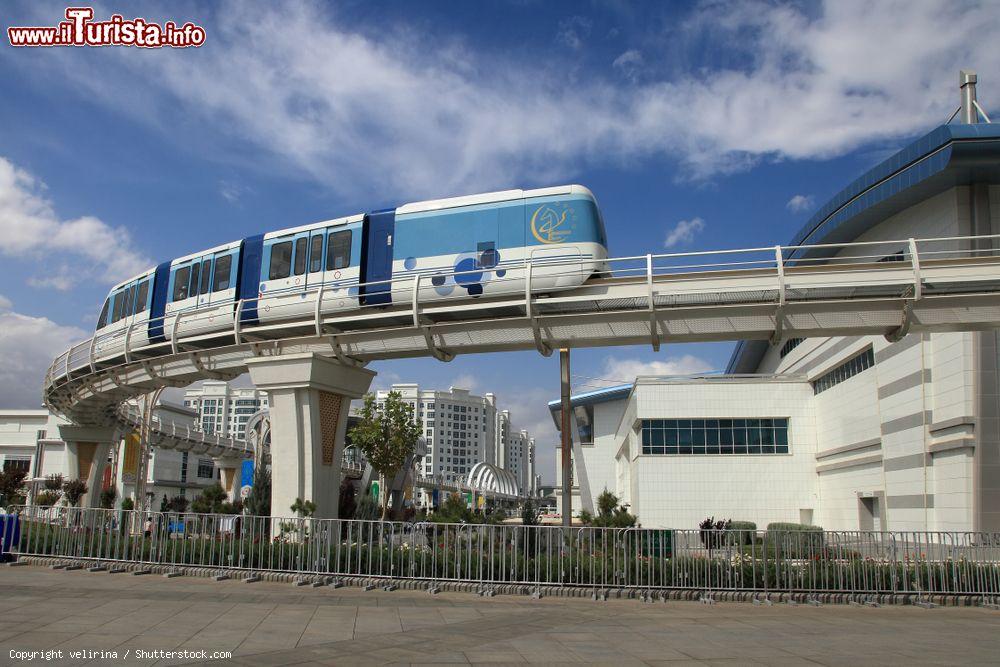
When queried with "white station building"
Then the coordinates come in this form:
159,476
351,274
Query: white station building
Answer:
30,441
844,432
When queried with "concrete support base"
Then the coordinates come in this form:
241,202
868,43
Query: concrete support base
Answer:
230,467
87,450
310,397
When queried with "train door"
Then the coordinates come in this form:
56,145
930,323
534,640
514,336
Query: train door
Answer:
182,296
205,283
111,340
216,292
139,336
377,269
314,269
314,266
342,271
286,277
222,290
555,266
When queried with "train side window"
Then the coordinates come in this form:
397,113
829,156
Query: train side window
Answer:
338,252
102,320
281,260
181,283
140,302
129,307
300,256
316,254
223,265
119,302
206,276
195,279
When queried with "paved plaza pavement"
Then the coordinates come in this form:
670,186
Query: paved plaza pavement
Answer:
280,624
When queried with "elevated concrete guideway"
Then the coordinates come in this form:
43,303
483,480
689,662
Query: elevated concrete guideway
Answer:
884,287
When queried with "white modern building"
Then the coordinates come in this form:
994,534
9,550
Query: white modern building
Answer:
459,428
223,409
845,432
519,459
462,429
30,440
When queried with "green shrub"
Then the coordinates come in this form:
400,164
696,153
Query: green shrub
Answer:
47,498
743,531
796,540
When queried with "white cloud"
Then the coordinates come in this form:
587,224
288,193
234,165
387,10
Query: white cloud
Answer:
629,64
465,381
795,82
574,31
529,410
683,232
5,303
800,203
27,347
232,191
60,277
623,371
29,226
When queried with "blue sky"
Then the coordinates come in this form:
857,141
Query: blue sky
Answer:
698,126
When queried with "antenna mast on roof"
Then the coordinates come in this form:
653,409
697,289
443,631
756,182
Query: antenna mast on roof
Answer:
970,109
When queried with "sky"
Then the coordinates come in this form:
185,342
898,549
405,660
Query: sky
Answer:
698,126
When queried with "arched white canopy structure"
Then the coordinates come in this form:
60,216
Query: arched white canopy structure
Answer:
489,478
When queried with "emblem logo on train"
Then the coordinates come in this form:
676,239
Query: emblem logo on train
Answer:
549,225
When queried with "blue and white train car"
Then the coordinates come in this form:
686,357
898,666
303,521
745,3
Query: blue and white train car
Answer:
125,312
471,246
463,247
297,261
200,291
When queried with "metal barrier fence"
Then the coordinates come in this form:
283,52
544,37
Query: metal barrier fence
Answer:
811,562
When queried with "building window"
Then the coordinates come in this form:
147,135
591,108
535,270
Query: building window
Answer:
844,371
790,345
17,463
715,436
206,468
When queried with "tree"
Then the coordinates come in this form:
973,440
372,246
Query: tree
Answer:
210,501
127,505
108,496
74,490
177,504
609,513
259,501
529,513
11,486
303,508
164,504
47,498
347,505
54,483
386,434
712,532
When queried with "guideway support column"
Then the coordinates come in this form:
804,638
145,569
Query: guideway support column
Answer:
230,467
310,397
87,449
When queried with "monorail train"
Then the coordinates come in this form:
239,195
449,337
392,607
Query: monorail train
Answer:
466,247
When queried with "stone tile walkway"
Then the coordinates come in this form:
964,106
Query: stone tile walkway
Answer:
267,624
